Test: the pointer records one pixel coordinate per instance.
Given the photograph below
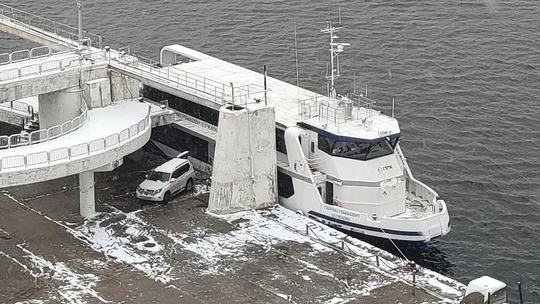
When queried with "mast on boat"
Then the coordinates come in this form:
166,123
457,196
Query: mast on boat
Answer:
335,49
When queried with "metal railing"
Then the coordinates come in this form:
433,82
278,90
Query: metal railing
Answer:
76,151
170,75
19,106
37,52
152,69
39,136
49,66
45,26
336,109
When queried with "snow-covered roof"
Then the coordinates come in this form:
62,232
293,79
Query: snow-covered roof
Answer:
171,165
484,285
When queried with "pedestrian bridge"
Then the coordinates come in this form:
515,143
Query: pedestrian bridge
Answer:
83,130
98,138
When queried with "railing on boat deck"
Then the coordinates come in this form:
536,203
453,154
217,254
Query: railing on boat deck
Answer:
336,110
172,75
416,187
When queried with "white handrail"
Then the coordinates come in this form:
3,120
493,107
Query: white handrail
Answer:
42,25
37,52
76,151
16,140
48,66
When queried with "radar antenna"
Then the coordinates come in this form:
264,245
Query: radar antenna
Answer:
335,49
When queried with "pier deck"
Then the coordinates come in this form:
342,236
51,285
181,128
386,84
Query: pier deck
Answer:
178,253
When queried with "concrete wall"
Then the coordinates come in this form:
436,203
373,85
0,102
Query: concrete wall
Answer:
244,168
58,107
12,117
53,81
123,86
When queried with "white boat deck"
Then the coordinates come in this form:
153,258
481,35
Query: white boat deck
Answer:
287,98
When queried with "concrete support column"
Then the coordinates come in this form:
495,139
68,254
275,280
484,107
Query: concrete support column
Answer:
86,193
123,87
58,107
244,167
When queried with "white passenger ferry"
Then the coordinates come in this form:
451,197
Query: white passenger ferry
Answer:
339,160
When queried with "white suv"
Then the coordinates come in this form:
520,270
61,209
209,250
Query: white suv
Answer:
167,180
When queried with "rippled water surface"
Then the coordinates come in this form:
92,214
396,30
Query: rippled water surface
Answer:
464,75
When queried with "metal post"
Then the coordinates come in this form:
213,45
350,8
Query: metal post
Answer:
79,14
520,292
265,75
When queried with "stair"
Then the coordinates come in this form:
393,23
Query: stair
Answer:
318,177
31,125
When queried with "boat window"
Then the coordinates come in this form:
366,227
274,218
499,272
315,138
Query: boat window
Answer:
325,144
361,150
280,141
159,176
180,141
285,185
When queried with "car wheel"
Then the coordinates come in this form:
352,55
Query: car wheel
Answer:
166,198
189,185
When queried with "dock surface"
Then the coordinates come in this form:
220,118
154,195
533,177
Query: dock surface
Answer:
178,253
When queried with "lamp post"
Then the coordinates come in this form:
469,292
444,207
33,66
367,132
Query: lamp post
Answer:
79,14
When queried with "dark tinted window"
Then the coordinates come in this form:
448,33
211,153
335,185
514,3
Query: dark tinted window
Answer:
285,185
181,141
325,144
361,150
280,141
181,171
158,176
183,105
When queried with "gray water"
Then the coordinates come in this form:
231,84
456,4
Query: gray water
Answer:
464,75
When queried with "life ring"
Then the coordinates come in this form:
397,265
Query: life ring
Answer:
335,202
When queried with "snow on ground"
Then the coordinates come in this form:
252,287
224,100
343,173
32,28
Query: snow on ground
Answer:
130,239
73,287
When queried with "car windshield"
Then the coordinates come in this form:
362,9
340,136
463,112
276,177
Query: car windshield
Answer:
159,176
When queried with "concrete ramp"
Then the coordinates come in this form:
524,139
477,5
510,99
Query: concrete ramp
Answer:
36,76
108,134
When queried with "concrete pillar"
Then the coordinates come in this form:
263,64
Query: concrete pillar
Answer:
86,193
97,93
123,87
58,107
244,167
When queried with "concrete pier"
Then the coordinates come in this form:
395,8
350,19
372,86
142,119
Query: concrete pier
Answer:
86,193
180,254
244,169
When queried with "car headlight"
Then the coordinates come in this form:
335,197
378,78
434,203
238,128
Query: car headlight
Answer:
139,189
157,191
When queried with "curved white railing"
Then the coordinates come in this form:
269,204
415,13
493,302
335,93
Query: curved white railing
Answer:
49,66
37,52
75,151
39,136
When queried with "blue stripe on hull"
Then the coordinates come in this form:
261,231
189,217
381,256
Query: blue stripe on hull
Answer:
363,227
